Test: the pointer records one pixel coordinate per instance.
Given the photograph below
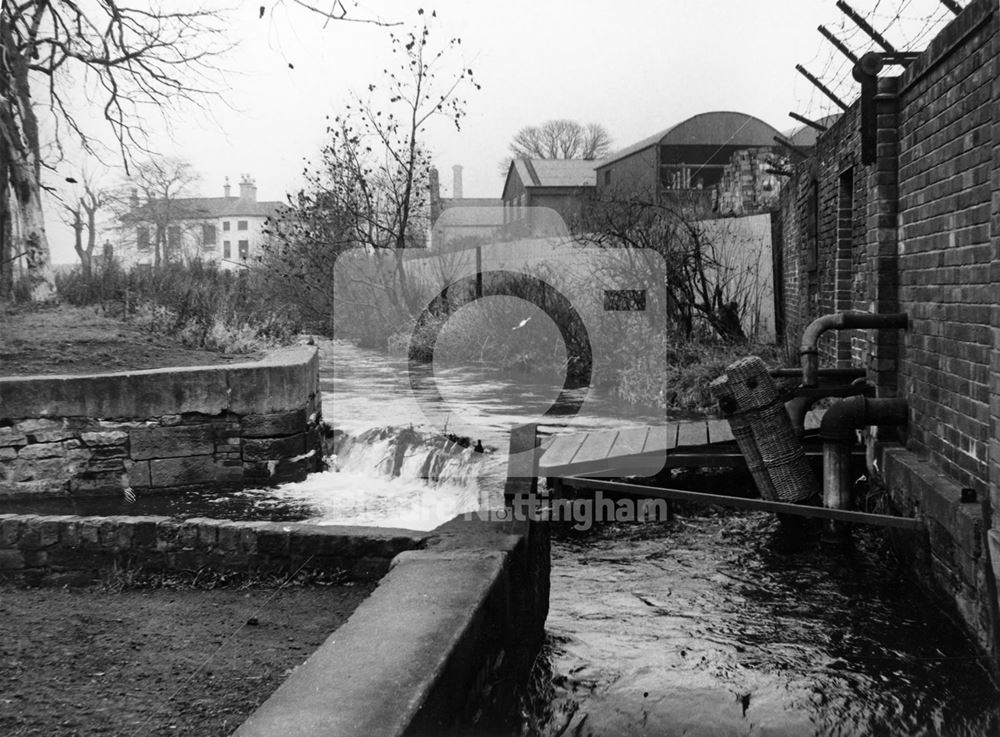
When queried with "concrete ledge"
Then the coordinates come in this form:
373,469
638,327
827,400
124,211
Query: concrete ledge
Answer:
275,383
952,559
70,549
439,648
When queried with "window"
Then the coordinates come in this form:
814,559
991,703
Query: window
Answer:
225,226
244,249
208,235
241,225
607,178
142,239
226,250
173,238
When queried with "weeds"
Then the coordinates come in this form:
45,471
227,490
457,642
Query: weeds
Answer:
129,575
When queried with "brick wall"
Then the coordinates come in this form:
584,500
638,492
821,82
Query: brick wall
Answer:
945,161
921,235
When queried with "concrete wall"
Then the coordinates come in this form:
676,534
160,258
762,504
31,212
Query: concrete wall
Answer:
918,231
442,646
163,429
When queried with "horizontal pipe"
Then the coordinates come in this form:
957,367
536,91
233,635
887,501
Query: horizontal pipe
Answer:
803,510
839,373
854,413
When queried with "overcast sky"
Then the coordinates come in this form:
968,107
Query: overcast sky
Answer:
635,66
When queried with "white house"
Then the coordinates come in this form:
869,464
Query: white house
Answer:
227,229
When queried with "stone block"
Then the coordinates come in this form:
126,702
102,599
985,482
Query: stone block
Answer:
167,472
171,442
273,449
36,558
102,438
89,529
96,484
273,540
137,474
107,533
7,453
275,424
46,431
12,437
11,560
10,530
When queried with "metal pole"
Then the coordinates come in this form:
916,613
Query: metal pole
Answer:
864,26
841,47
822,87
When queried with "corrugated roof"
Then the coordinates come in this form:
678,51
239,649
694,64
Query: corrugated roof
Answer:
720,128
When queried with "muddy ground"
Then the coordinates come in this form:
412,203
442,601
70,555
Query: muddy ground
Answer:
60,339
144,662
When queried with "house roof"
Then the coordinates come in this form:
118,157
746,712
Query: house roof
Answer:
556,172
805,135
216,207
719,128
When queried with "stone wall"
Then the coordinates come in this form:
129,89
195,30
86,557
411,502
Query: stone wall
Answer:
240,425
64,549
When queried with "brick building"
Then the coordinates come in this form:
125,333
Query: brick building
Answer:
565,186
898,210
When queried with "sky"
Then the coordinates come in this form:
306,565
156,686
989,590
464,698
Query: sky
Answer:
634,66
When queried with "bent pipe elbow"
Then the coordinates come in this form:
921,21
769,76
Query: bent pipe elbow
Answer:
841,321
854,413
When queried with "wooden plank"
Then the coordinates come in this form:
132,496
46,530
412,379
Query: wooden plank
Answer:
719,431
562,450
522,463
660,439
629,442
692,432
595,446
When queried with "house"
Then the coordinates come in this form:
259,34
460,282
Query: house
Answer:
228,230
565,186
687,162
897,212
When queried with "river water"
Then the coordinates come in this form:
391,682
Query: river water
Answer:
707,624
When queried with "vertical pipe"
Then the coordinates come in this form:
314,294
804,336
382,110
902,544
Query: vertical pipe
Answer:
838,488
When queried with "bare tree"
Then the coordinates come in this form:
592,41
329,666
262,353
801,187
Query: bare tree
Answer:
559,139
134,59
372,184
155,202
81,215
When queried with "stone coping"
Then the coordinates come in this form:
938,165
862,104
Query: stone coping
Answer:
277,382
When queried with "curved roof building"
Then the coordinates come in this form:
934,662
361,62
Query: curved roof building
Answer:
690,155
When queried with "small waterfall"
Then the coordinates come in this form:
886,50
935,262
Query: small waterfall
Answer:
396,477
409,454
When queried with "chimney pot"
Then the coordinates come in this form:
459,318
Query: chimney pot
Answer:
456,187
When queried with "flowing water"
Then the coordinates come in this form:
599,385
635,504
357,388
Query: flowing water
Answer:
707,624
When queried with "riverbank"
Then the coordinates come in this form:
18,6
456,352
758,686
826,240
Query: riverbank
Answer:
62,339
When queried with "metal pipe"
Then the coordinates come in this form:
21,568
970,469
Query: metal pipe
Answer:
840,321
837,430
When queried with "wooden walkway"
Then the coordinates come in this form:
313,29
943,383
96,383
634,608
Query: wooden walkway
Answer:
645,450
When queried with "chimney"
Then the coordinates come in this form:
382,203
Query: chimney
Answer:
434,183
456,187
248,190
133,199
226,188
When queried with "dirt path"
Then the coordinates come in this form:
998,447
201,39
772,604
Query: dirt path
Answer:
78,340
154,662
